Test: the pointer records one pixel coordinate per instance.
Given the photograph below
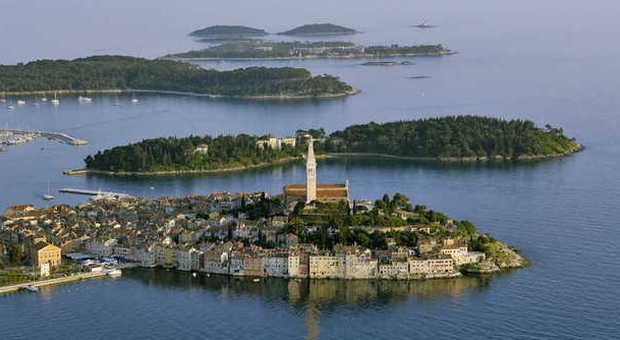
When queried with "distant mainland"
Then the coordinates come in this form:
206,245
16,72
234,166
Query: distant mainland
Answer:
306,50
110,74
454,138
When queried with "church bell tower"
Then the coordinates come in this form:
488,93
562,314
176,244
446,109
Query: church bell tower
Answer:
310,173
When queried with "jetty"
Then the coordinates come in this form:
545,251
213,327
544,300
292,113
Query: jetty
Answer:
96,193
57,281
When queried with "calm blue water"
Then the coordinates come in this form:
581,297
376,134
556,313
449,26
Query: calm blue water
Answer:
554,62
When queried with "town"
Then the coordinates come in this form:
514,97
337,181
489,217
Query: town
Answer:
310,230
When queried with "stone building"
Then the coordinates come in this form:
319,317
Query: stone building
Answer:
45,253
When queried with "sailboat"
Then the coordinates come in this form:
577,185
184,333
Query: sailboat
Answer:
49,196
55,101
424,24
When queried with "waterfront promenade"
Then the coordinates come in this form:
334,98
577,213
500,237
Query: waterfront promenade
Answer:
60,280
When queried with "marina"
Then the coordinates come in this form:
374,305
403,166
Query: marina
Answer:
16,137
97,194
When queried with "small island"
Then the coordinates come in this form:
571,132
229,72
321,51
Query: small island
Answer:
387,63
228,32
306,50
319,29
113,74
454,138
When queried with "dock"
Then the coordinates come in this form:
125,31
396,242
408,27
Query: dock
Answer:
110,194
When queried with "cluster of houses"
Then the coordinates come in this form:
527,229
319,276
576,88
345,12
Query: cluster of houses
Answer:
195,233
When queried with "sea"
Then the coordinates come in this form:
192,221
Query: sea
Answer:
553,62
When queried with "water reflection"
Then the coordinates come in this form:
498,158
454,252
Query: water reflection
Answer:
312,298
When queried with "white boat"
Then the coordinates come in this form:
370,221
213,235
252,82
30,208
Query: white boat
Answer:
85,99
134,100
115,273
44,99
256,280
32,288
10,107
194,274
48,197
2,100
55,101
21,102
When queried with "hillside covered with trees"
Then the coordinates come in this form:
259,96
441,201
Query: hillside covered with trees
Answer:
319,29
120,72
454,137
446,138
228,31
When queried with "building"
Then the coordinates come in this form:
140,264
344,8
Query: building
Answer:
45,253
311,191
327,267
276,143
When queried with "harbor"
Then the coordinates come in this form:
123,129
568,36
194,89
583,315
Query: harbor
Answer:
96,194
16,137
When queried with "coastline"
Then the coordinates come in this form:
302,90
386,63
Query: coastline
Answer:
85,171
180,93
364,56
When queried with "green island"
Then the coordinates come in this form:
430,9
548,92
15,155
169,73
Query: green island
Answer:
453,138
121,73
319,29
306,50
228,32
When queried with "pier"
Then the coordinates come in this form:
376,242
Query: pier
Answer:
60,280
98,193
15,136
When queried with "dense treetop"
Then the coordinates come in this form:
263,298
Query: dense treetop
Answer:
459,137
319,29
454,136
226,30
120,72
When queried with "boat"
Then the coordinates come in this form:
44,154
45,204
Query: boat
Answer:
49,196
424,24
115,273
44,99
32,288
85,99
134,100
55,101
2,100
194,274
256,280
10,107
21,102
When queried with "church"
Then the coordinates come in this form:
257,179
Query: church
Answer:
311,191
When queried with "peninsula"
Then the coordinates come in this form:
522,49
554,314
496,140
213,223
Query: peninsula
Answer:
245,234
108,74
455,138
306,50
319,29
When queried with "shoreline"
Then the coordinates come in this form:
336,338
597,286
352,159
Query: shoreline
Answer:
85,171
366,56
180,93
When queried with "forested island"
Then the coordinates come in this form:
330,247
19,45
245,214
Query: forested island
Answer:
319,29
228,32
122,73
306,50
454,138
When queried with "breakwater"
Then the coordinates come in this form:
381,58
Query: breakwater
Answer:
50,282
